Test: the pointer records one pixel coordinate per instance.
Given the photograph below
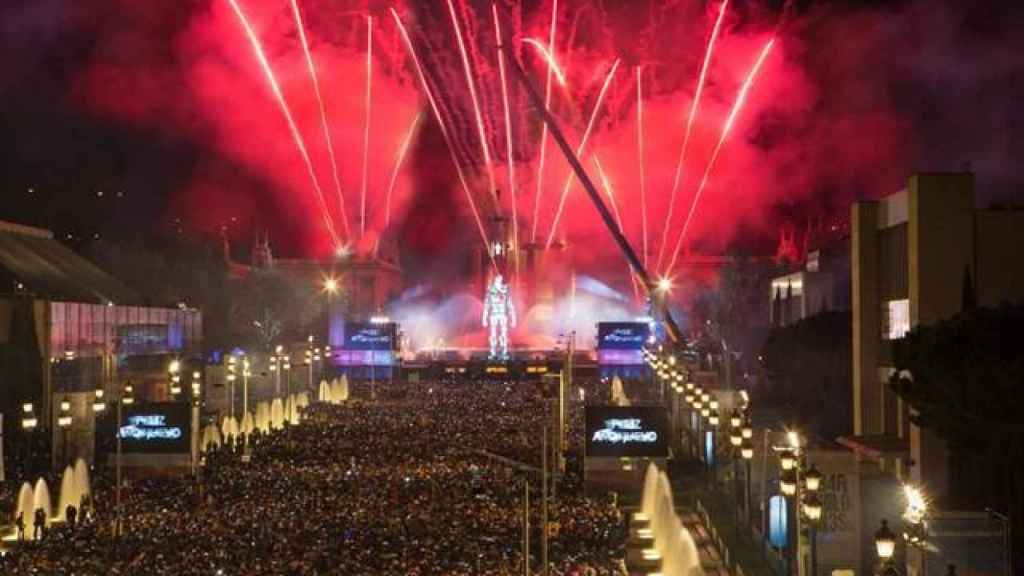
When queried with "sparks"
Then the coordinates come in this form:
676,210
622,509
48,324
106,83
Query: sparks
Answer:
579,151
689,129
399,160
323,112
366,127
508,134
544,127
481,128
549,58
443,127
730,120
300,143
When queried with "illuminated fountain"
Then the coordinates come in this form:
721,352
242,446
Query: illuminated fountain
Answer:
658,543
248,424
277,414
263,417
229,428
324,392
302,400
211,438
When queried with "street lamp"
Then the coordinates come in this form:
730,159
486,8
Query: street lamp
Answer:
64,422
813,511
232,367
29,420
885,543
174,371
98,404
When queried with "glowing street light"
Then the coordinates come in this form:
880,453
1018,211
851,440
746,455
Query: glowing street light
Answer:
331,285
885,542
664,285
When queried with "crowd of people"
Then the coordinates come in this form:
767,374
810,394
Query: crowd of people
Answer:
404,485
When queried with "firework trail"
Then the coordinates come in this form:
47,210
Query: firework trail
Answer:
689,129
549,58
323,112
399,160
736,107
300,143
485,148
366,131
579,151
544,127
444,129
640,163
508,131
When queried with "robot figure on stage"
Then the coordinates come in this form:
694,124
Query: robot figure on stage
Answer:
499,315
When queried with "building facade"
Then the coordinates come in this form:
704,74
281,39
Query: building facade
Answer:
919,256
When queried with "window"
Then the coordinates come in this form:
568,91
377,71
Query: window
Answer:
896,319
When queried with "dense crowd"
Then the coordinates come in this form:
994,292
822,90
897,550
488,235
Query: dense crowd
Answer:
405,485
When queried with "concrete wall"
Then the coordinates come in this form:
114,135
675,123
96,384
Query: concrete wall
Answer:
866,318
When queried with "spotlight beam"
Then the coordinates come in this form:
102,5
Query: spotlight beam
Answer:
366,127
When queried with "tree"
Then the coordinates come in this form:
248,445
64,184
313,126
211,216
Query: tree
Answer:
809,373
962,378
268,304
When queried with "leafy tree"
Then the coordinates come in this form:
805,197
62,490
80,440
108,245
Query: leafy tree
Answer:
809,372
962,377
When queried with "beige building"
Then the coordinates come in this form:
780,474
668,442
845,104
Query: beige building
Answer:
914,254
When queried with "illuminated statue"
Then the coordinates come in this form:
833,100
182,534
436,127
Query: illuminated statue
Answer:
499,314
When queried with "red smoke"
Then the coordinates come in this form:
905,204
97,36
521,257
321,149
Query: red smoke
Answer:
796,138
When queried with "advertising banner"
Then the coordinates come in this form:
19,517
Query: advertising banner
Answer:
622,335
626,431
367,336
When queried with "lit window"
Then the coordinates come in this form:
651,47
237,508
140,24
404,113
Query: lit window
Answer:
897,319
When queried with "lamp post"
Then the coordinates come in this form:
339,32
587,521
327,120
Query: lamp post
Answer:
125,399
246,373
64,423
174,377
885,546
788,485
231,377
813,511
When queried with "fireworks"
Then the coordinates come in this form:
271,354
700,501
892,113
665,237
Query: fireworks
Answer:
451,71
323,113
689,128
300,143
580,149
737,106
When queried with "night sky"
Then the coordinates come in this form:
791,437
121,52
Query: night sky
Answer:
952,71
